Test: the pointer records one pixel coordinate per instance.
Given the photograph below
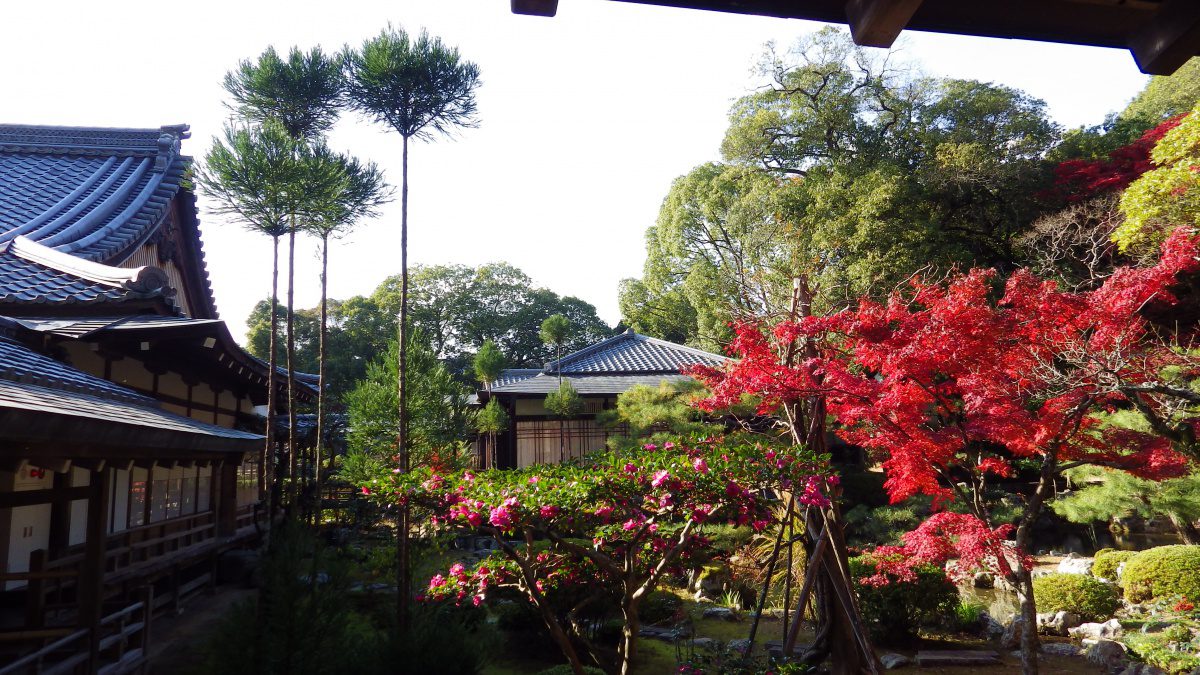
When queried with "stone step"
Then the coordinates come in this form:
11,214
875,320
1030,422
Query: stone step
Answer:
929,658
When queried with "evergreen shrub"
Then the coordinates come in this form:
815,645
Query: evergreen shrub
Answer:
1107,560
1088,597
1163,572
898,608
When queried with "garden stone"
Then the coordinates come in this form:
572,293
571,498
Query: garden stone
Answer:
1073,555
723,613
893,661
1095,631
984,580
658,633
1076,565
1155,626
1060,649
739,645
1057,623
991,627
1011,637
1106,653
706,643
1120,570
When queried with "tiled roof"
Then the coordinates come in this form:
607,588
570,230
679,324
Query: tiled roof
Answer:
544,383
93,193
33,274
79,327
630,353
36,383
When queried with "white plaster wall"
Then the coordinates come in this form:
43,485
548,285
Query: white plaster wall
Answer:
79,508
29,526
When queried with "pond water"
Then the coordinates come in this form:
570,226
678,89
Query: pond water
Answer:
1002,605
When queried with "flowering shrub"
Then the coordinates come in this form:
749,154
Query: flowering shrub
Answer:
624,519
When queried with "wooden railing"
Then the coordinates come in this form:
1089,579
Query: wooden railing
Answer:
120,645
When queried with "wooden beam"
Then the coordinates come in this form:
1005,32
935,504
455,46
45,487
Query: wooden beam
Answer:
10,500
91,578
877,23
534,7
1168,40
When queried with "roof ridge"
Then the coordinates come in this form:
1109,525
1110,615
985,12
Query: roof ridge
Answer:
686,348
146,141
557,364
146,280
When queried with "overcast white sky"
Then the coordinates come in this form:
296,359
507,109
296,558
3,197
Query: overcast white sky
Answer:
586,118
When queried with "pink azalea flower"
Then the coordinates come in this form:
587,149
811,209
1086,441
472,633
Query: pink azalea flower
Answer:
540,586
668,445
477,600
457,570
501,517
533,480
629,525
604,511
548,511
366,490
437,582
649,446
653,527
475,518
700,465
660,478
630,468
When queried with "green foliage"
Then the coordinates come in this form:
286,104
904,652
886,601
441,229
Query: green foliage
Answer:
1162,651
1108,494
1090,598
295,625
1166,96
488,363
565,669
438,419
1107,560
555,330
659,606
418,86
1162,572
459,308
441,639
897,609
967,614
867,526
565,402
1167,195
850,172
665,408
303,93
491,419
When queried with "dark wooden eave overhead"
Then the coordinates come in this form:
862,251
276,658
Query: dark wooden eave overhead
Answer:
1161,34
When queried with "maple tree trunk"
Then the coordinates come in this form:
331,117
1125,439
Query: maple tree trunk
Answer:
1022,578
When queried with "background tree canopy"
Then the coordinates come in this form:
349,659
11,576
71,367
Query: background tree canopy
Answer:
856,172
456,308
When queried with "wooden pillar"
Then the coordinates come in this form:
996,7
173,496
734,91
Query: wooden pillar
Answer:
227,499
91,578
60,518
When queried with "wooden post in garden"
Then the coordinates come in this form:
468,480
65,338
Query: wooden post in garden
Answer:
91,577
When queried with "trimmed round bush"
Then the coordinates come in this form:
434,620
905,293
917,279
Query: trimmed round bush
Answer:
1090,598
1163,572
1107,560
659,606
897,609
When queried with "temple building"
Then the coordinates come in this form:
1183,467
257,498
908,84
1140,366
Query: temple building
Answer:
130,452
599,372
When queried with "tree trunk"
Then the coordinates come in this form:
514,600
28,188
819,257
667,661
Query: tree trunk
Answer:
1022,579
269,472
629,632
321,384
291,367
1186,531
403,571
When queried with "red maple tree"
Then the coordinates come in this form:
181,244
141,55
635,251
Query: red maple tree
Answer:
1078,179
949,384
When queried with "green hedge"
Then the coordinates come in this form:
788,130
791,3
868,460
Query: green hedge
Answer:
1107,560
1163,572
1090,598
659,606
897,609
